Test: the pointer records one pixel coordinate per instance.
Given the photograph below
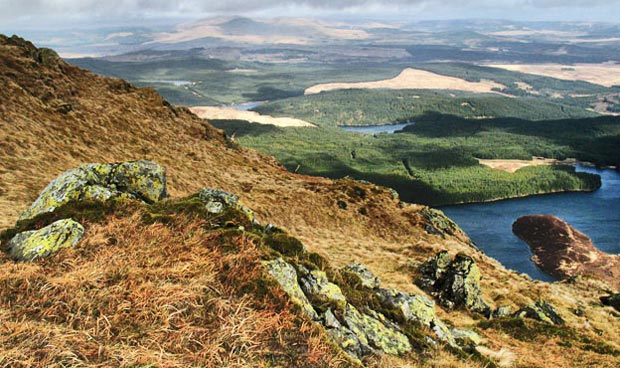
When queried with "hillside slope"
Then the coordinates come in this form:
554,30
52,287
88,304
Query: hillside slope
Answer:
54,117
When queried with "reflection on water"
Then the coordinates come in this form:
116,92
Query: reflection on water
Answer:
596,214
375,129
248,105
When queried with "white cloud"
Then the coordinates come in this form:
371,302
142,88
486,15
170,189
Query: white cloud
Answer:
55,11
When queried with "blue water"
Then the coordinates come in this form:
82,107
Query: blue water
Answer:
596,214
375,129
248,105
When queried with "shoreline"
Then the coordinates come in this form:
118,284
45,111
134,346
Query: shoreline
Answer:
516,197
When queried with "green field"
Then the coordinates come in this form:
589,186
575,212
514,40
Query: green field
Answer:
434,162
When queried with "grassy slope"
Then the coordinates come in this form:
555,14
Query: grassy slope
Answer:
112,121
136,293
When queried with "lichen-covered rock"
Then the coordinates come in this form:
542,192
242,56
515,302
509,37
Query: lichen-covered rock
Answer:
364,276
217,201
320,290
467,339
416,308
29,245
286,276
456,284
433,269
372,332
143,180
541,311
344,337
612,300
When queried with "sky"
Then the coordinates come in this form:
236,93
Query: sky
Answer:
23,14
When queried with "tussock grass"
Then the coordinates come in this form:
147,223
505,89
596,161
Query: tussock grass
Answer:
132,294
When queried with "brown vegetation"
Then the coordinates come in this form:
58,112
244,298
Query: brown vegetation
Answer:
564,251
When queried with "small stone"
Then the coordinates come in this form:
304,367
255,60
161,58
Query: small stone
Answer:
417,308
541,311
363,274
330,320
503,311
217,201
374,333
466,339
612,300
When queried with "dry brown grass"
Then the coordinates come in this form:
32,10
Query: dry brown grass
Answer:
603,74
414,79
134,294
113,121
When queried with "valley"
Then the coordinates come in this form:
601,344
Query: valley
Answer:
285,191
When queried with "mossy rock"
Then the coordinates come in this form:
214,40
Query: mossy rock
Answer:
365,277
320,290
374,333
541,311
285,244
141,180
217,201
286,276
29,245
455,283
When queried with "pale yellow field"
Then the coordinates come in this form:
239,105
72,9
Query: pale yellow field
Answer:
413,79
228,113
513,165
603,74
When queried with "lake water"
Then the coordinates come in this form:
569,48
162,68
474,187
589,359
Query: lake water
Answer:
248,105
375,129
176,83
596,214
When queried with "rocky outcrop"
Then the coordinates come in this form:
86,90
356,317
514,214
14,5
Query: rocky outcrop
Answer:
138,180
29,245
564,252
541,311
364,328
410,308
142,180
357,333
455,282
612,300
